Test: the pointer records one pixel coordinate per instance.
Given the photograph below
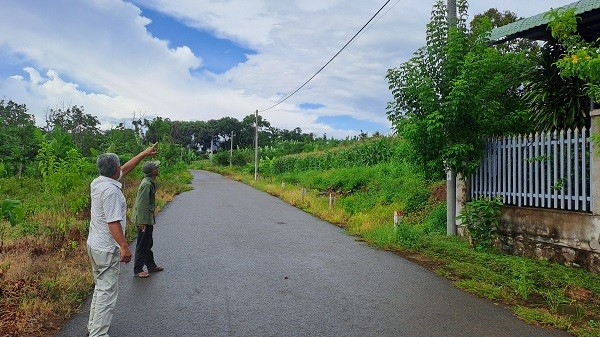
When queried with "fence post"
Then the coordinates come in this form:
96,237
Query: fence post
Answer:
595,162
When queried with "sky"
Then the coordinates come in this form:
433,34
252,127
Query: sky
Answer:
197,60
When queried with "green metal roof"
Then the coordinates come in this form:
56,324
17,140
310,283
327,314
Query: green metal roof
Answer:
535,27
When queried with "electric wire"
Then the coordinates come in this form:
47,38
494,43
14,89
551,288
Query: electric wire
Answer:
379,18
330,60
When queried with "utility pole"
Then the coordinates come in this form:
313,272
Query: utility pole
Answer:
211,150
256,147
231,152
450,173
451,13
450,200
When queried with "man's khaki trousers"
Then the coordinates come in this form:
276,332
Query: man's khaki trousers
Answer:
105,268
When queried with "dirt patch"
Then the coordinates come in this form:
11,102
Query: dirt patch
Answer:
438,194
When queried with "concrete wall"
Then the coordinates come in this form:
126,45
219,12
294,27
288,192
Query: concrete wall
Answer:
570,238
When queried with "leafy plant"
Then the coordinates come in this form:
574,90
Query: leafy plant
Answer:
554,298
555,101
581,58
12,211
482,217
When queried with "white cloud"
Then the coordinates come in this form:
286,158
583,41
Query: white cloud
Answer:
99,54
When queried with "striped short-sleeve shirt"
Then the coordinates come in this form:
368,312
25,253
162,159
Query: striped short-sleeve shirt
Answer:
108,205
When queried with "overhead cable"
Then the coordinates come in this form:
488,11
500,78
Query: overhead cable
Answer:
330,60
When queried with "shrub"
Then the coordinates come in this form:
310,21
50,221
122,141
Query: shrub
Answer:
482,217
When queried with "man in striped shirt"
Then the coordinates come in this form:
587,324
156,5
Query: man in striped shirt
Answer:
106,243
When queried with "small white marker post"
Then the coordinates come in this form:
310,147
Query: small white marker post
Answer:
303,192
398,215
331,200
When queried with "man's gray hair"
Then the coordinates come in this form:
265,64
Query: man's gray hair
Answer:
107,164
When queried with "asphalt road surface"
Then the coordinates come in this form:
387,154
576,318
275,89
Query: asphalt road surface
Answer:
239,262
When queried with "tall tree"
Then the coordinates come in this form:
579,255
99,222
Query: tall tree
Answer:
84,128
19,138
158,129
454,93
265,134
123,141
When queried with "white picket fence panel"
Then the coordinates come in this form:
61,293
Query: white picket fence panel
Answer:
548,170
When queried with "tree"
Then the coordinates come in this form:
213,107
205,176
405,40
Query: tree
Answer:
158,129
19,139
84,128
247,132
455,93
123,141
221,130
499,19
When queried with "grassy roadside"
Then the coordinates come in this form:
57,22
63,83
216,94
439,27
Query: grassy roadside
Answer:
538,292
44,269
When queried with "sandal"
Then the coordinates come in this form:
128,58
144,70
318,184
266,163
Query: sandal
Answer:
142,274
156,269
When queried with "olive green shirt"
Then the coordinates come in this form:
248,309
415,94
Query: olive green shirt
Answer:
145,203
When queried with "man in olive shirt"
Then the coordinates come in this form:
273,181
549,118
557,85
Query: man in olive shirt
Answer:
142,214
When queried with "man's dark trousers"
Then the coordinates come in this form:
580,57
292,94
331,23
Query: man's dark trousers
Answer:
143,250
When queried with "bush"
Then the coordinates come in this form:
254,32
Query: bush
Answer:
482,217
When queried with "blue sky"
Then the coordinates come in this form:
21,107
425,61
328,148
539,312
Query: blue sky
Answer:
207,59
218,55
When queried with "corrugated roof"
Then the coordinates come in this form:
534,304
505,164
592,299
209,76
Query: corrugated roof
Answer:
535,27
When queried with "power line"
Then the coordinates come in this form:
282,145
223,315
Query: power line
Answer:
330,60
379,18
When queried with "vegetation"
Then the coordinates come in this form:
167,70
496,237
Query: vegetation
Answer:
555,102
581,58
453,82
482,218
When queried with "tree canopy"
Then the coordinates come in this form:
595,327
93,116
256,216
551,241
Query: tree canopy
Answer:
456,92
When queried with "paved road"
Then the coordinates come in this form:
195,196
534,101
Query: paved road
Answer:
240,262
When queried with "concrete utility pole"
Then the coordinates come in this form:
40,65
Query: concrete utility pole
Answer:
451,10
231,151
256,147
450,173
450,200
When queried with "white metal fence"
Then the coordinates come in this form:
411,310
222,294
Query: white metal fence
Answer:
550,170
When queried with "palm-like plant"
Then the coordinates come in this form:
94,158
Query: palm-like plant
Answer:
556,103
